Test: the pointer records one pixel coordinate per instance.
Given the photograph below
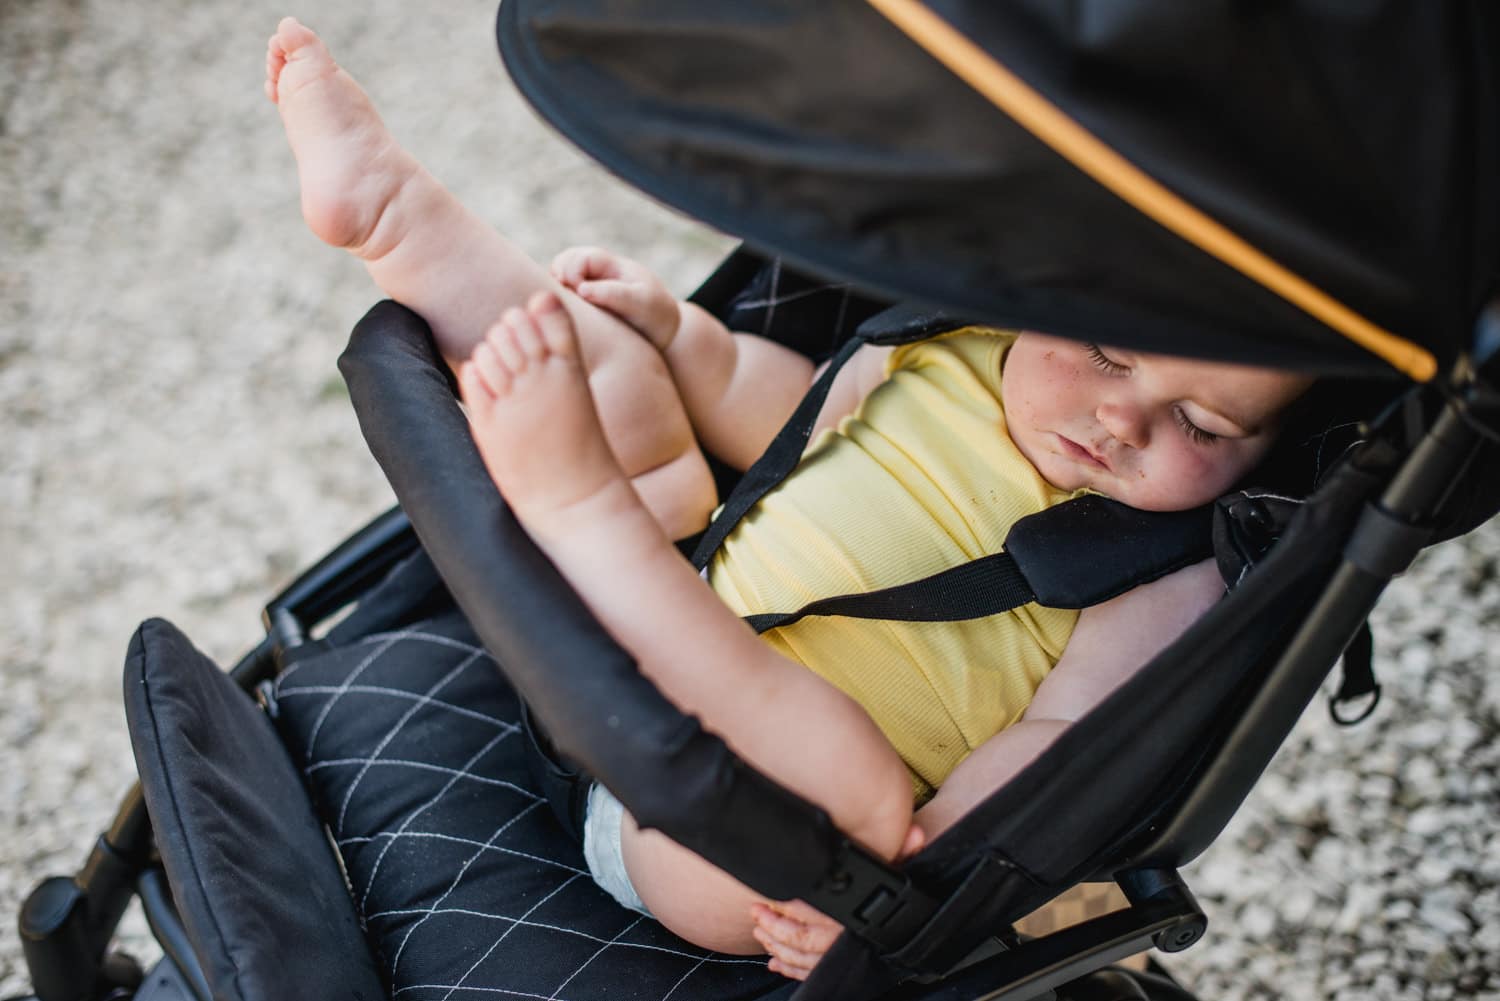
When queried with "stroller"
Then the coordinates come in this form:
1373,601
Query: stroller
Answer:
374,823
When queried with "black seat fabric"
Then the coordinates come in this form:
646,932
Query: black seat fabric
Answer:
469,888
259,890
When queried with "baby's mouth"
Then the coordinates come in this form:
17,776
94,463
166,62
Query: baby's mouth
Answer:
1083,454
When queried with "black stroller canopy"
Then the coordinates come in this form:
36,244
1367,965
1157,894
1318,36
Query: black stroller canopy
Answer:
1310,184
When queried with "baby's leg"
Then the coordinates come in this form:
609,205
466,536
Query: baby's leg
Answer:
363,192
540,438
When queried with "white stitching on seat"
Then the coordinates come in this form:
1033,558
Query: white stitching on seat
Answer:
496,944
398,693
765,326
597,953
458,878
483,846
312,737
450,988
702,957
773,301
390,735
416,633
370,882
573,943
421,766
689,973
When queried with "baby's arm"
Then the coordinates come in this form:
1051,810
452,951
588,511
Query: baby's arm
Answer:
738,389
1110,642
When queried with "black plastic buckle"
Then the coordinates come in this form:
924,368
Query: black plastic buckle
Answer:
872,900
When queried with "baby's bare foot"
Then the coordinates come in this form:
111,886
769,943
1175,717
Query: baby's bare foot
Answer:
534,419
349,166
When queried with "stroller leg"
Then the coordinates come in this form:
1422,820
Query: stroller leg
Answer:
67,922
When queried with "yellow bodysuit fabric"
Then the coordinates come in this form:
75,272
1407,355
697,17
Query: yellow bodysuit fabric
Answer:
922,477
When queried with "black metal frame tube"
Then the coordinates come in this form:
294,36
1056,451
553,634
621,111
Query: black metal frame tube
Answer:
166,927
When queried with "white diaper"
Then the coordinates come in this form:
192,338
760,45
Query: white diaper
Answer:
602,822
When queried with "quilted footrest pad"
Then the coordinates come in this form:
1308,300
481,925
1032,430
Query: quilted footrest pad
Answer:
469,888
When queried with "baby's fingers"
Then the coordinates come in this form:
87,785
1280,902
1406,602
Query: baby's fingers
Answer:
819,929
643,306
795,946
581,264
785,959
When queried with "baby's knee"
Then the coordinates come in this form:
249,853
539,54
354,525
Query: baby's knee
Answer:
886,815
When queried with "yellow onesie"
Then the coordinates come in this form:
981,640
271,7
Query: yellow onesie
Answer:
922,477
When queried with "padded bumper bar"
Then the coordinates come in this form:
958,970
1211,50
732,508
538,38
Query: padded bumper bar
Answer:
587,692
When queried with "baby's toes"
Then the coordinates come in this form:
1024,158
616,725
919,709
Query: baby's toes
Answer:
487,364
275,63
503,340
528,338
292,35
472,388
555,325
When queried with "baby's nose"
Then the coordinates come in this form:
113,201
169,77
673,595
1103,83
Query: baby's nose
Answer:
1126,424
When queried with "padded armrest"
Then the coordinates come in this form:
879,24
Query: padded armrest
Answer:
587,692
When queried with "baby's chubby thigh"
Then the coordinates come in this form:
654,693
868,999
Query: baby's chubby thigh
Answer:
647,428
637,402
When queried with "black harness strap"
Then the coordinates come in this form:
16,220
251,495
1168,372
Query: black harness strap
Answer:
1073,555
986,586
779,459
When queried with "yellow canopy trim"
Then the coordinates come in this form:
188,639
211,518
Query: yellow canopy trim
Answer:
1088,153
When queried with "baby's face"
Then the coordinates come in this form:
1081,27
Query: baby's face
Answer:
1156,432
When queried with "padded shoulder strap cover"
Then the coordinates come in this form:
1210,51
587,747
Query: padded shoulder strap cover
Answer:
1091,549
906,322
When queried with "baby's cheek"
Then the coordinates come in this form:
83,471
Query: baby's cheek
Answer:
1218,471
1187,479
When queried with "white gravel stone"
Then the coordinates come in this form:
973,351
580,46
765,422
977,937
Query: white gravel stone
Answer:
1487,938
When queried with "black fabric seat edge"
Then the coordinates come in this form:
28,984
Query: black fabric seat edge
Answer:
259,891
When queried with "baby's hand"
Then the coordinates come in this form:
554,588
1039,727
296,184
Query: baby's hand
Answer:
795,934
623,287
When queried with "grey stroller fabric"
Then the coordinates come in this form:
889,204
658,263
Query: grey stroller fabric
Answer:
410,742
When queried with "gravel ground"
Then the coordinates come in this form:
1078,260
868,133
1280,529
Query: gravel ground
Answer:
176,442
